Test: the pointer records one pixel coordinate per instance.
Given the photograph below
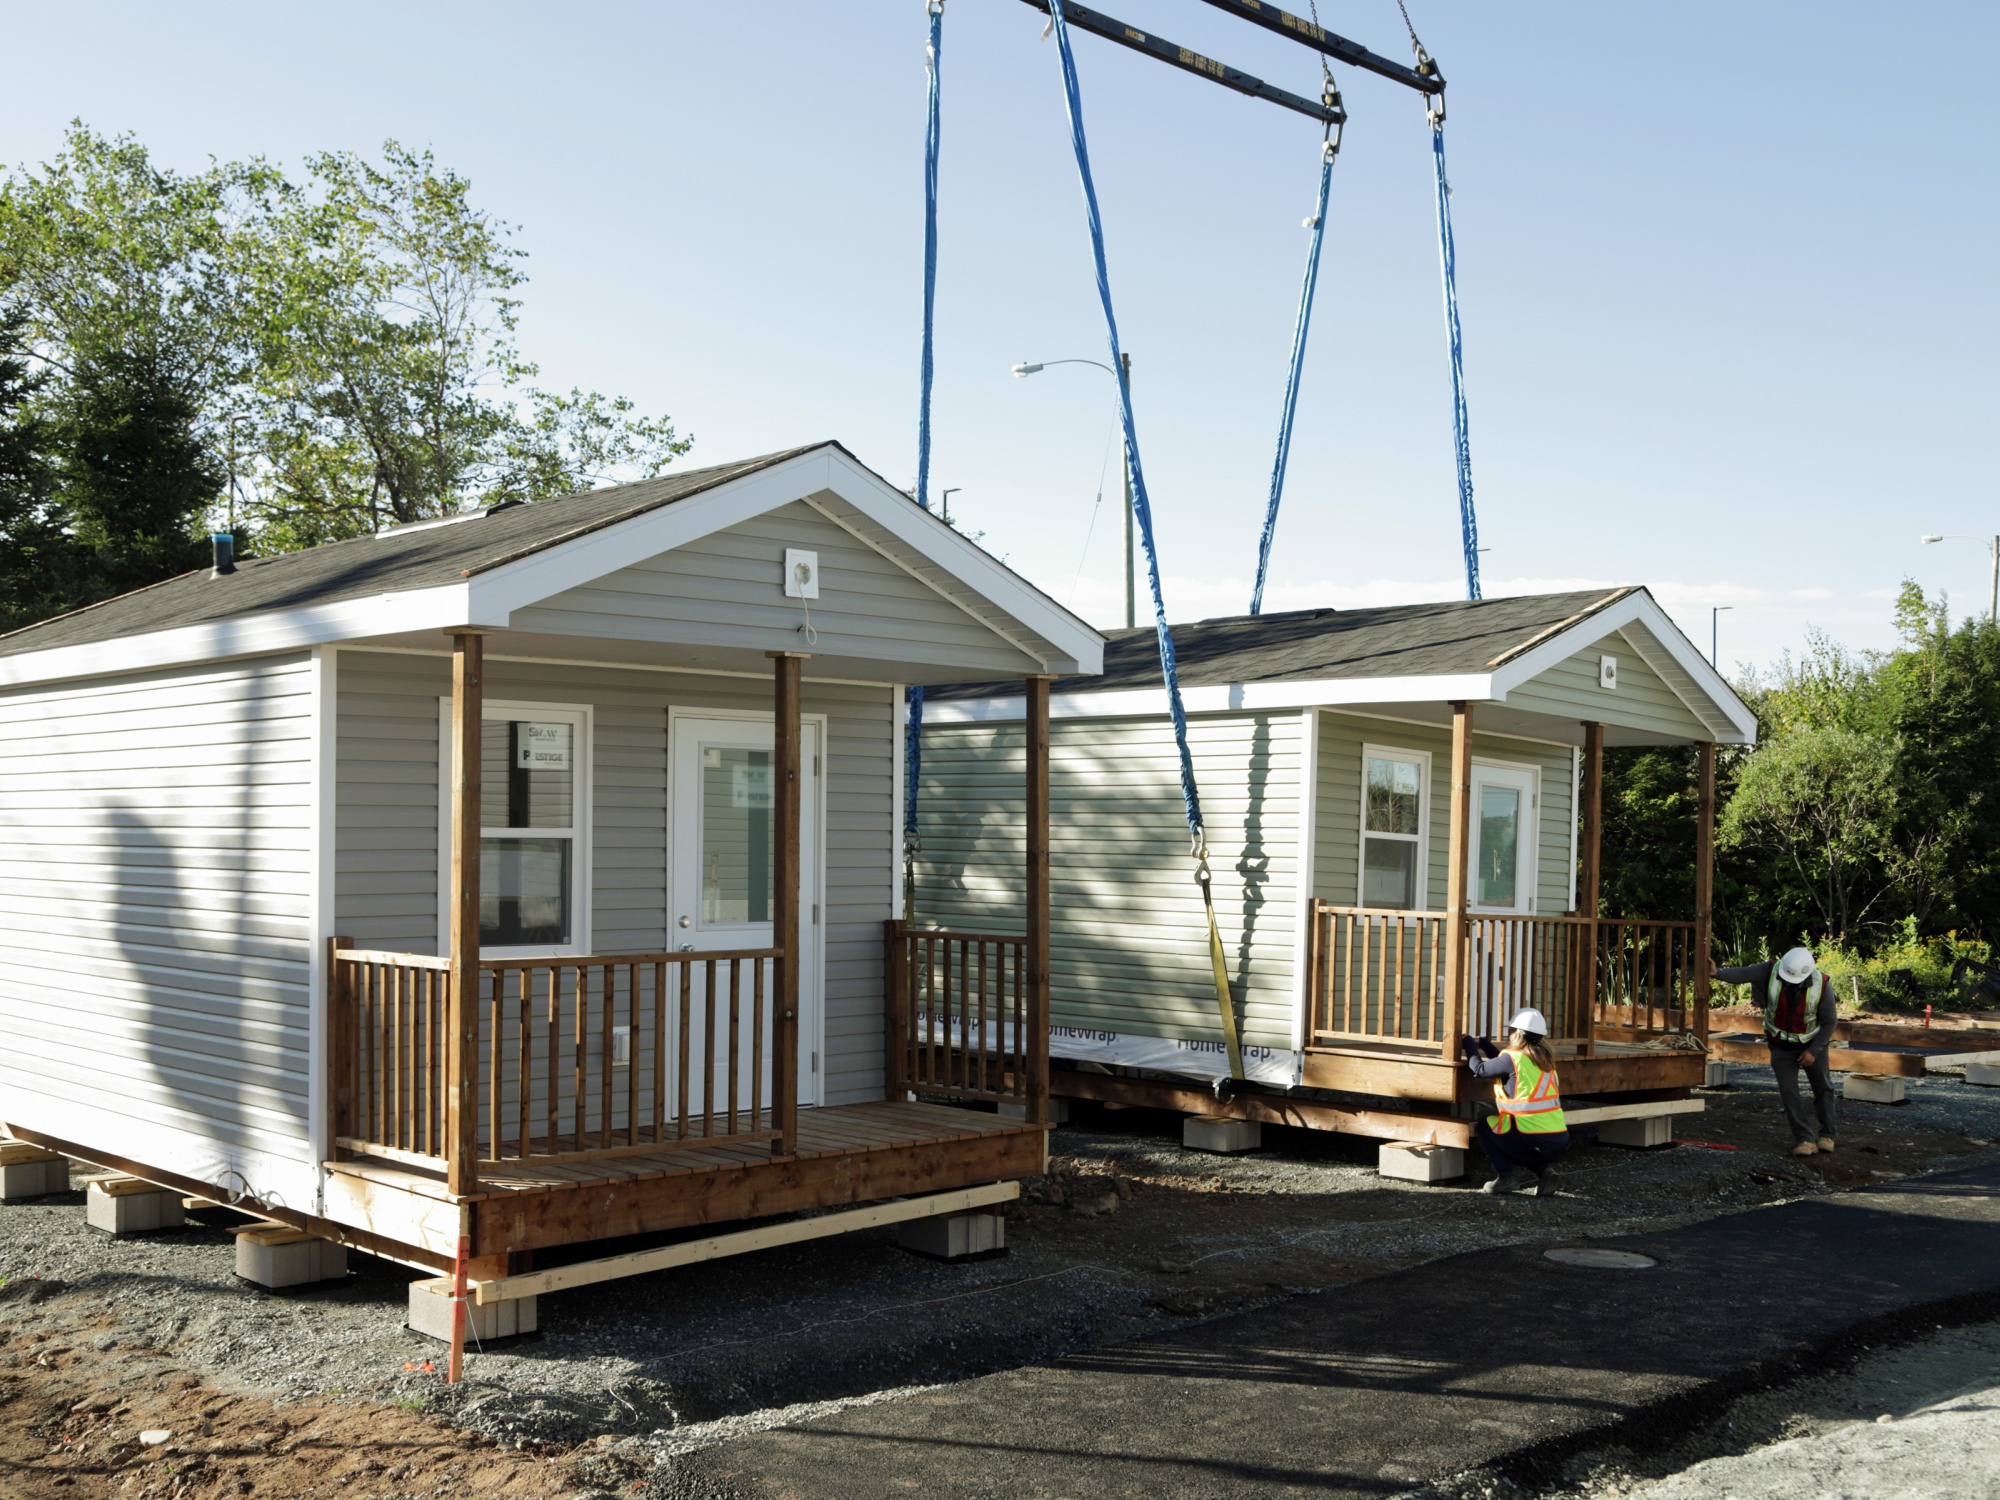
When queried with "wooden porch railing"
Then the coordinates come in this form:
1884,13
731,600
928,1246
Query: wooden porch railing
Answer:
1379,975
1648,978
578,1057
962,1021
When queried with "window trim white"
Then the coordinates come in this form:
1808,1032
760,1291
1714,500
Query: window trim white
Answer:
1422,839
584,812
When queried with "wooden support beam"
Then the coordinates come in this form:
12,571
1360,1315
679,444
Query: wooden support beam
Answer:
1590,842
744,1241
462,1044
343,1024
895,1010
1704,887
1413,1126
1458,859
1037,853
787,678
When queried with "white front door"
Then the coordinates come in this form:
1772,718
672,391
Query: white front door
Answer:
1502,877
719,892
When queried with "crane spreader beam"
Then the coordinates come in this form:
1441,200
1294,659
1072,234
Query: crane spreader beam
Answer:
1339,48
1188,60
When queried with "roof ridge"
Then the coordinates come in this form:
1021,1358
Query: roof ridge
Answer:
1561,625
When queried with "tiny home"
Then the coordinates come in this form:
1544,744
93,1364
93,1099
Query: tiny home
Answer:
512,880
1402,808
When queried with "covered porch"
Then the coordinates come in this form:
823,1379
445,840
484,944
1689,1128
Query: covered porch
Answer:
1391,991
485,1108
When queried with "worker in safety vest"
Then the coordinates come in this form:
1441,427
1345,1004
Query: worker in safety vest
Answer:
1528,1130
1799,1016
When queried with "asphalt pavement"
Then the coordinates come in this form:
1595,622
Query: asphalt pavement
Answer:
1505,1360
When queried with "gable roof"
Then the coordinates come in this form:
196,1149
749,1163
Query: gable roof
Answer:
414,557
1399,640
1414,655
404,586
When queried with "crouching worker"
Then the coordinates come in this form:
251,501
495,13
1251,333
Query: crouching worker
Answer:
1529,1130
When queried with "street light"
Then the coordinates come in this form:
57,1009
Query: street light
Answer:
1992,546
1021,372
1715,628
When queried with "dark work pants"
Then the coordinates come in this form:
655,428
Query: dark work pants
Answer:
1785,1063
1517,1148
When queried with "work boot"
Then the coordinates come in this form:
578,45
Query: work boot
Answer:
1805,1148
1826,1143
1503,1184
1545,1183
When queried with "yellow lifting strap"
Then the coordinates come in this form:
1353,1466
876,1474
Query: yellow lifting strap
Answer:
1220,963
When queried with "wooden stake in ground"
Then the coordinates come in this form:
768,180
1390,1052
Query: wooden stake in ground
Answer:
455,1365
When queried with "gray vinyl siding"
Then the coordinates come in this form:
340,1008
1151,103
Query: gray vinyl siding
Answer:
1129,945
156,890
1640,701
386,849
1337,809
727,589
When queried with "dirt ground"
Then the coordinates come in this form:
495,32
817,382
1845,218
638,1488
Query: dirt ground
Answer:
322,1391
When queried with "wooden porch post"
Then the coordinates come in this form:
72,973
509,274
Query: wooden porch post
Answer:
1704,886
1590,878
467,696
1038,898
1457,850
787,669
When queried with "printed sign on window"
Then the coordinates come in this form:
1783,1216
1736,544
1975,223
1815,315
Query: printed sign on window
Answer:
750,786
543,747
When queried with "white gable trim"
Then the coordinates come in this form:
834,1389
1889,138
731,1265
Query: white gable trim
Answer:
1683,668
1251,697
921,544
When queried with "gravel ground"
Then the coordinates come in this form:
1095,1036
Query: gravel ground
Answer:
1911,1423
1129,1234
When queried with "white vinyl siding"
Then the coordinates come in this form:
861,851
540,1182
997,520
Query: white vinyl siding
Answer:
1641,700
387,848
156,889
727,590
1129,944
1338,807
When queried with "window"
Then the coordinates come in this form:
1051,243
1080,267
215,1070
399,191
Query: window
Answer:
533,809
735,835
1393,819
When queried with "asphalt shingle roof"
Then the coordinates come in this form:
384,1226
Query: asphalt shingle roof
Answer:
367,566
1401,640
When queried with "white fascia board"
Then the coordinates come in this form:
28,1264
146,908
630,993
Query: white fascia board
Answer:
1244,697
567,565
1705,691
573,564
250,635
1081,647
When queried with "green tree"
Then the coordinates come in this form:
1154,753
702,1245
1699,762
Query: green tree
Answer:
38,558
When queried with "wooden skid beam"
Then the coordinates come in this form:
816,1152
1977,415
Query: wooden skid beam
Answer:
1840,1059
325,1229
1265,1109
764,1237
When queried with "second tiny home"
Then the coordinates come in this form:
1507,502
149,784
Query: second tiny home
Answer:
1403,810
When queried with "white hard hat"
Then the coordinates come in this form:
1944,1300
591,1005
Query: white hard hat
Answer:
1530,1020
1797,966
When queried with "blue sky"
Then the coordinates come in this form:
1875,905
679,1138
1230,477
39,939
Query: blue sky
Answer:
1725,270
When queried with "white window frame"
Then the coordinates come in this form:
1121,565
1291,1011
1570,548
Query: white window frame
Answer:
1422,838
583,813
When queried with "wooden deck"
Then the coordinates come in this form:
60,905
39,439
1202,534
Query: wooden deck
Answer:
1417,1073
849,1154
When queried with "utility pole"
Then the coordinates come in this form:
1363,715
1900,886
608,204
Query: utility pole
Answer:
1132,562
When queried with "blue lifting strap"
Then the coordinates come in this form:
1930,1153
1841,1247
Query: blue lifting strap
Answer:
1328,150
913,745
1448,258
1142,512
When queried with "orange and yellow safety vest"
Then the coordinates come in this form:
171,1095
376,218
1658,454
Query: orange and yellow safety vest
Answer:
1535,1107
